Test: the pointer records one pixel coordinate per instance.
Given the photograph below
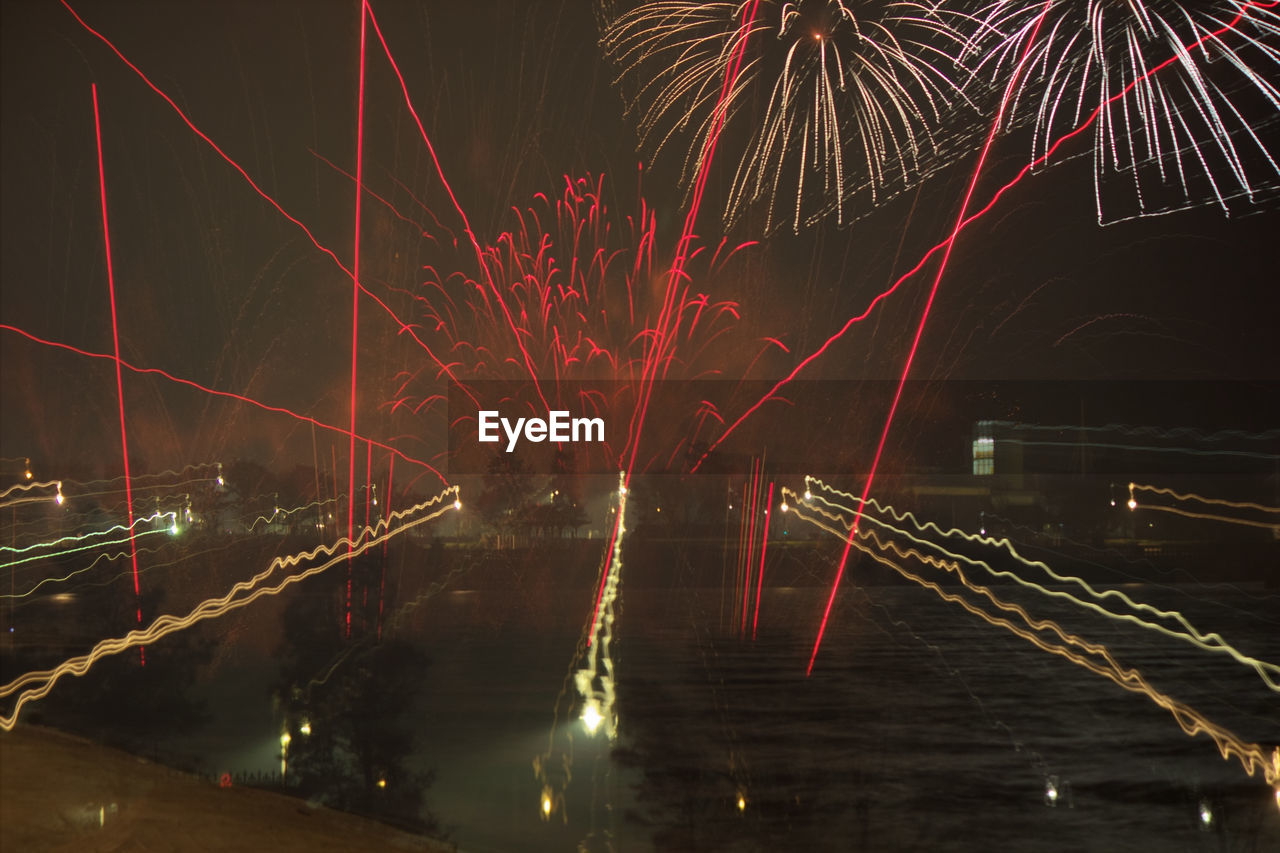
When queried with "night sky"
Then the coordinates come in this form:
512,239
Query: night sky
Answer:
215,286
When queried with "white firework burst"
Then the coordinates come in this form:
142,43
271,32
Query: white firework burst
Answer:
1185,93
835,99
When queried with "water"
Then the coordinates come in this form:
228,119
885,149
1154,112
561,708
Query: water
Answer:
921,727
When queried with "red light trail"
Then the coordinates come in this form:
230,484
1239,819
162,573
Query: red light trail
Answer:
915,343
216,393
355,311
115,338
677,267
466,223
404,328
764,545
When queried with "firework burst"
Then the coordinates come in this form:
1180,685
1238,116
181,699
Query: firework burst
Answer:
838,106
1199,129
569,312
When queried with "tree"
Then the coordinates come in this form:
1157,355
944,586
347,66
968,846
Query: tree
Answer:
509,493
349,705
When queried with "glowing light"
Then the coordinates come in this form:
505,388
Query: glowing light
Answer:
591,717
1133,504
1251,756
382,783
1206,815
305,728
915,342
742,803
1185,131
1210,642
546,806
248,591
853,103
1192,497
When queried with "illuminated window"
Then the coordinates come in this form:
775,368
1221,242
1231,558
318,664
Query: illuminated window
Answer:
984,451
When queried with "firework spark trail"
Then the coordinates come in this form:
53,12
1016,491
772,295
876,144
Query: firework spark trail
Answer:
337,552
227,394
1171,133
677,272
1209,642
686,237
403,328
115,337
656,346
1252,757
466,223
422,229
976,216
915,343
869,87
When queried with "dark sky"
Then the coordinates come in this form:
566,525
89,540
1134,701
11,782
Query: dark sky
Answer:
215,286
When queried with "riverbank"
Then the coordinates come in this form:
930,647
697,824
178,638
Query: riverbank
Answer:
59,792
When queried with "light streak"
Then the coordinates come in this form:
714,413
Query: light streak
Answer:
336,553
115,337
1170,433
764,544
976,216
599,706
1252,757
173,516
855,98
1163,133
288,512
1192,496
1146,448
227,394
1210,642
403,327
484,268
924,316
355,300
1226,519
26,487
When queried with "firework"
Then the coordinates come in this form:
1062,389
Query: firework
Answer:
837,107
1185,94
572,313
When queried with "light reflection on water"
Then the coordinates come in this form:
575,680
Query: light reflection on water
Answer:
920,729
